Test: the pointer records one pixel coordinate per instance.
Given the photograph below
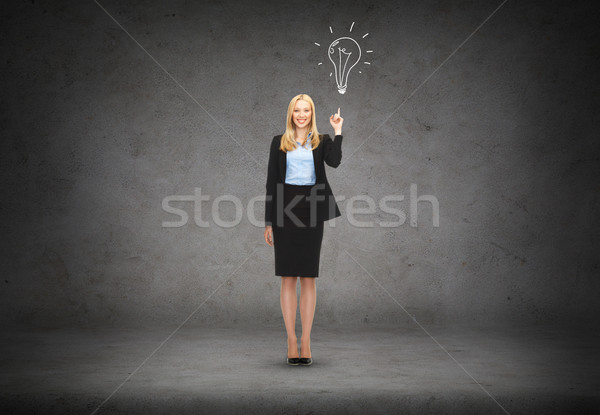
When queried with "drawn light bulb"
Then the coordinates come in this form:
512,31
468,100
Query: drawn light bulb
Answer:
344,53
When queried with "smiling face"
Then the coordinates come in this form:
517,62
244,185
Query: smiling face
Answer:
302,114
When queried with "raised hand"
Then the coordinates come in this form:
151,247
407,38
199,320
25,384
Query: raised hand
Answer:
336,122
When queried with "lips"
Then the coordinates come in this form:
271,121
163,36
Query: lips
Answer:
301,120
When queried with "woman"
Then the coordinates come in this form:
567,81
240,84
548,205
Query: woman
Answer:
299,199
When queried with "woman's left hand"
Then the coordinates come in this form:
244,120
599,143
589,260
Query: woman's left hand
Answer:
336,122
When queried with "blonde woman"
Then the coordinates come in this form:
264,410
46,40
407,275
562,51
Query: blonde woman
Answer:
299,199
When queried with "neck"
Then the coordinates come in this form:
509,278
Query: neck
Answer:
301,132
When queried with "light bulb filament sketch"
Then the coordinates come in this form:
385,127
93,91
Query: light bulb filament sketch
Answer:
344,53
341,50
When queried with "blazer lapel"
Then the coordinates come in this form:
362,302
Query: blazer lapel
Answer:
316,160
282,165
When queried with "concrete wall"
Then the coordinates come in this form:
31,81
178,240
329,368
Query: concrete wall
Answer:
103,120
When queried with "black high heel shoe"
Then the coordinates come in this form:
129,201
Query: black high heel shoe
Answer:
294,361
306,361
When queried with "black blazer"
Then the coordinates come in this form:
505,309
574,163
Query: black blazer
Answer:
328,151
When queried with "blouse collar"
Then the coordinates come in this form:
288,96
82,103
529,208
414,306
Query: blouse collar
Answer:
307,139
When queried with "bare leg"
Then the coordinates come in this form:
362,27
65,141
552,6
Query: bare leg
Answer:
308,302
289,303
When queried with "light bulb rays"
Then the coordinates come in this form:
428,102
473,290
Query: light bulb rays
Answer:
344,53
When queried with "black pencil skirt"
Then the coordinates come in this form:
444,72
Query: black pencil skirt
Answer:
297,246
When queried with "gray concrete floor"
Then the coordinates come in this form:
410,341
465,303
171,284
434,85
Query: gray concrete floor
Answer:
362,369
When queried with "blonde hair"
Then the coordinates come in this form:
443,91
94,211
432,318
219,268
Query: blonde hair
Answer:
288,139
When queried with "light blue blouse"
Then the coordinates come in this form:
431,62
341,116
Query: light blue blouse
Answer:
300,165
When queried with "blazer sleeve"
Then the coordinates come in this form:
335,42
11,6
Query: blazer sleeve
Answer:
332,150
272,173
